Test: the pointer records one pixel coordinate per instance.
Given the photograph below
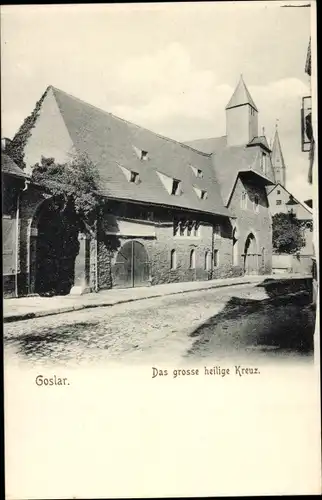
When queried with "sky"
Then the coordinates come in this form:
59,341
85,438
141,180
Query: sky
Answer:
171,68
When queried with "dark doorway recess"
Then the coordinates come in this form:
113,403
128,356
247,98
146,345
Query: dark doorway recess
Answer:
57,247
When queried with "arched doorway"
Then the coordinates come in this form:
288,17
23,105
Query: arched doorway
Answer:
54,246
132,267
250,255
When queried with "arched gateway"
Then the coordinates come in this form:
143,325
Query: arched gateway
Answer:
250,255
131,268
53,247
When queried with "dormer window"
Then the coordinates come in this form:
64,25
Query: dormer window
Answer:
141,154
130,175
201,193
198,173
173,186
134,177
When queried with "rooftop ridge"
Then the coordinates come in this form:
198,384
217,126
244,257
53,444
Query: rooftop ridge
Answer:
169,139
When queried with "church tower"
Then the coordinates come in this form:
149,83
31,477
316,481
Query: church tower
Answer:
241,117
278,163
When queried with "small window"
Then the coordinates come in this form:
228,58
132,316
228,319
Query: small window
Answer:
278,191
144,155
175,227
264,163
192,259
216,258
256,203
196,229
207,261
278,202
217,232
182,228
175,187
173,260
243,200
134,177
189,228
201,193
197,171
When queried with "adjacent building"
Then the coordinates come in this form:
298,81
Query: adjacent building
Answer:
243,167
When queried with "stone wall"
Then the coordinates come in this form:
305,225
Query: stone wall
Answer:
159,248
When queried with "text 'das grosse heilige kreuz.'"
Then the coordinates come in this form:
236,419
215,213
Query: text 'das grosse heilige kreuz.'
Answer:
218,371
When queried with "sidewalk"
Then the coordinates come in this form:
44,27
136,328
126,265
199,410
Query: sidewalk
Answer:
17,309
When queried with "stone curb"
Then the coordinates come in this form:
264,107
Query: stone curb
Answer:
30,315
110,303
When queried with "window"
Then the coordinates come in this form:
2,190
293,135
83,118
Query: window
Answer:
264,163
130,175
197,171
173,260
207,261
278,191
182,228
256,203
196,229
216,258
192,259
175,187
201,193
175,227
243,201
141,154
278,202
217,232
134,177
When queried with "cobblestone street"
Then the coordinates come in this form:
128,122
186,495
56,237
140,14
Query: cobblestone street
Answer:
224,323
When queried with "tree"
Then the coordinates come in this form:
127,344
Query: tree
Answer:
287,233
73,186
74,206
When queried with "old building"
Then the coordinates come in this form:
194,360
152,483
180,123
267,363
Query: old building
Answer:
282,201
165,220
242,164
14,183
173,212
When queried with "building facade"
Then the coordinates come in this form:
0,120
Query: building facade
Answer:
243,166
173,212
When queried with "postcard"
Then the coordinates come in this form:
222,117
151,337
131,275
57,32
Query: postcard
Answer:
160,250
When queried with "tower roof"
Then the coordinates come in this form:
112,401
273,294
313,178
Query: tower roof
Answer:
241,96
277,155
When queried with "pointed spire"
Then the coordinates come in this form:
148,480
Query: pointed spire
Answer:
241,96
278,159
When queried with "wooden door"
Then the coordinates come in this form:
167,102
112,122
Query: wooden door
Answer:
131,268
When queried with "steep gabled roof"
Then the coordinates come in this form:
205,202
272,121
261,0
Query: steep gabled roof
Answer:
229,162
241,96
210,145
112,144
8,166
294,201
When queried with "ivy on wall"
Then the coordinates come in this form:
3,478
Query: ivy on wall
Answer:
15,148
